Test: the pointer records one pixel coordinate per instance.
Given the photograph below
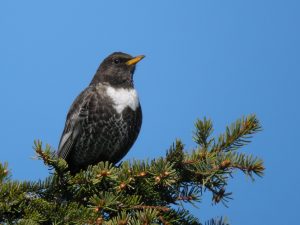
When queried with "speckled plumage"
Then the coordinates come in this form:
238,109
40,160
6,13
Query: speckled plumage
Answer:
97,127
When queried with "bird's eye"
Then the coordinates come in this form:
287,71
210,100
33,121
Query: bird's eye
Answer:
117,61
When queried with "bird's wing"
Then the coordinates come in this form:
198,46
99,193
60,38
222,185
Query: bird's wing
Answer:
77,114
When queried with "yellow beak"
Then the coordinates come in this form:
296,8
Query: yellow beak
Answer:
135,60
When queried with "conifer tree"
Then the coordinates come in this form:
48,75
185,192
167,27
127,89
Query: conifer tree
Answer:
135,192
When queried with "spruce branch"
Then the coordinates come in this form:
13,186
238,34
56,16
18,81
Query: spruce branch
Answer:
4,172
217,221
248,164
137,191
48,156
203,131
238,134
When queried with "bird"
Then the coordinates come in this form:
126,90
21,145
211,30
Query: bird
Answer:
105,119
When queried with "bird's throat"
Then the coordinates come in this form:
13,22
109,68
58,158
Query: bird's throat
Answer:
123,98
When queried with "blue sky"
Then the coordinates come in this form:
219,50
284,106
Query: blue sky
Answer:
219,59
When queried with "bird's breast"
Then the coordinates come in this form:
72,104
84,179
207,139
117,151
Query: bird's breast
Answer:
123,98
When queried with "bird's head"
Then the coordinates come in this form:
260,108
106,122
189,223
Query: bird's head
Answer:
117,70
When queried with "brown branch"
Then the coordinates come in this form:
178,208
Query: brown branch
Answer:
159,208
185,198
163,220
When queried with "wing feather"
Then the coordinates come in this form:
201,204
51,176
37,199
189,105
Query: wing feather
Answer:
78,112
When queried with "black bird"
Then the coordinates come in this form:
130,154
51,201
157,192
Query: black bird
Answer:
105,119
